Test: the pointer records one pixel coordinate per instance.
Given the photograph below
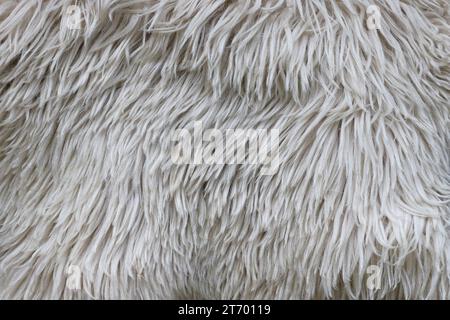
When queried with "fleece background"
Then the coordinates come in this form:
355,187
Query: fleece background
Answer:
86,181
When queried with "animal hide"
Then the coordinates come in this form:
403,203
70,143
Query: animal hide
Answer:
92,205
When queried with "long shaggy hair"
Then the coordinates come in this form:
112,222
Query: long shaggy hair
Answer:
359,205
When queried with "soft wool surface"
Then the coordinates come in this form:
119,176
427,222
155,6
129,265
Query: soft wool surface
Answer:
87,182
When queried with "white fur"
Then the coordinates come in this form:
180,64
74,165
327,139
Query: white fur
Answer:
86,178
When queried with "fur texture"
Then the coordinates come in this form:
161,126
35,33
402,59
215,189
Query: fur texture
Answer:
86,178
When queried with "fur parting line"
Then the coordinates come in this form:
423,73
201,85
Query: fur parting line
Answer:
91,205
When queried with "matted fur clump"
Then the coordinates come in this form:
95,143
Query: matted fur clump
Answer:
88,188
